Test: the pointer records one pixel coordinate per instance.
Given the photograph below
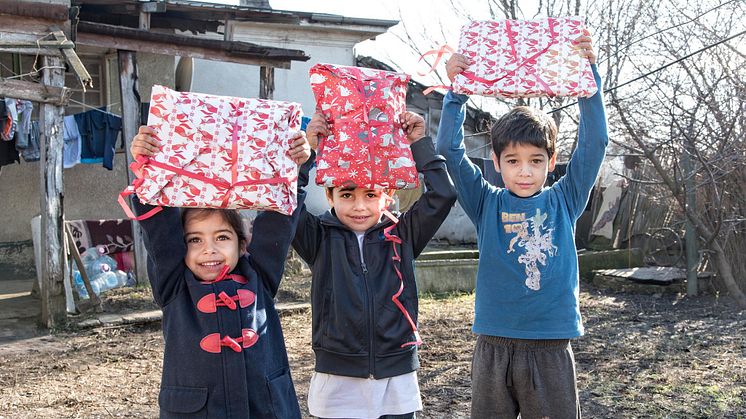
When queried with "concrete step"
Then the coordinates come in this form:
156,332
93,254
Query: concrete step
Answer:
441,271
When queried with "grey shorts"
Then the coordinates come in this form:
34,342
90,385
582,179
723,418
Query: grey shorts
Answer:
535,378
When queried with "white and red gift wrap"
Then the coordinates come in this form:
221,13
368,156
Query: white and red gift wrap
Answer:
367,146
219,152
524,58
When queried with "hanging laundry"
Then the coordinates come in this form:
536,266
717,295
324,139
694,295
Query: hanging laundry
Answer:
31,152
99,131
11,120
23,131
8,153
71,151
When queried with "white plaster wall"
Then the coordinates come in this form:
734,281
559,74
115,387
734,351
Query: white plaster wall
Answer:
324,45
89,190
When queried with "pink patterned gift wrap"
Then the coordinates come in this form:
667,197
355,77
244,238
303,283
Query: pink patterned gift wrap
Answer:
367,146
219,152
524,58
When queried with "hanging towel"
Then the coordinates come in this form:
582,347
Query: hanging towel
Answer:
72,143
99,131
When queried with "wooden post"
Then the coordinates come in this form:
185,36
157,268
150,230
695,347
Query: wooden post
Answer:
266,82
690,234
130,95
52,289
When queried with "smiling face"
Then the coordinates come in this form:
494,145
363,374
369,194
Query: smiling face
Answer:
357,208
211,244
524,168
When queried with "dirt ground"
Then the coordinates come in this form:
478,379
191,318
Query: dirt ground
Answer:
643,356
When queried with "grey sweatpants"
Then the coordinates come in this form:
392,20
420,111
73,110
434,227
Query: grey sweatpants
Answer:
535,378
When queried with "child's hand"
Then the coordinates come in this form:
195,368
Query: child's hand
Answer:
315,128
299,151
413,125
144,144
456,64
584,44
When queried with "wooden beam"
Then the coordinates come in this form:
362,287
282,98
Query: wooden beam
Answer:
72,58
53,308
130,97
34,44
43,10
26,31
34,92
129,39
266,82
73,249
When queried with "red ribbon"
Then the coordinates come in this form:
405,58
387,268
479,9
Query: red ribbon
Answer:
397,260
445,49
530,60
141,161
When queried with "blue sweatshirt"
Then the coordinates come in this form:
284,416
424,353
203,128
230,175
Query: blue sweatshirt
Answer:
527,280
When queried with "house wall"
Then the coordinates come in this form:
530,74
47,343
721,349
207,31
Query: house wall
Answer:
324,44
89,190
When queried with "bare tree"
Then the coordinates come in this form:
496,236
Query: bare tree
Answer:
692,110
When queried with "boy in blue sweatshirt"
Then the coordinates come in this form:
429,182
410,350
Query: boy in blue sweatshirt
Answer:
526,308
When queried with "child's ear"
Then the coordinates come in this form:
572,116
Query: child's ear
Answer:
330,196
552,163
494,161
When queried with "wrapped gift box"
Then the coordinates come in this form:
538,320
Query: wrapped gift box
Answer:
219,152
524,58
367,146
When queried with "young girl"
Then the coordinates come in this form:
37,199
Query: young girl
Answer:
224,351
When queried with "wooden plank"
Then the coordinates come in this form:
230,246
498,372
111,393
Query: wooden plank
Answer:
130,96
27,31
72,58
266,82
92,296
65,44
108,41
43,10
34,92
53,308
130,39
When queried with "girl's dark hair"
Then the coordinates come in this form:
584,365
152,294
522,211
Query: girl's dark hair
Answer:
230,216
524,125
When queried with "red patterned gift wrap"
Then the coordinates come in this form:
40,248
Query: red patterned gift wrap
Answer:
524,58
219,152
367,146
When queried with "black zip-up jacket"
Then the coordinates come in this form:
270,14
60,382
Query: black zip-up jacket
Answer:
357,329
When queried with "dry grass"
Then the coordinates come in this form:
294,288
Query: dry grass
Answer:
643,356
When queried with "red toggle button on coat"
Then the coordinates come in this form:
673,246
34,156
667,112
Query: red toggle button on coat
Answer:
213,342
210,302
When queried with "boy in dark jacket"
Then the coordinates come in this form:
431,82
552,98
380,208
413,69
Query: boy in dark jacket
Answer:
363,296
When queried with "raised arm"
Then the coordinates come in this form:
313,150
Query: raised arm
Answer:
466,176
163,234
420,223
308,233
164,241
273,232
593,137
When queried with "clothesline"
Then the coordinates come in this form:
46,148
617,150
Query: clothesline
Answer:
97,109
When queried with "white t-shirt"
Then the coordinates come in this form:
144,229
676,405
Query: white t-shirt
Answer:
337,396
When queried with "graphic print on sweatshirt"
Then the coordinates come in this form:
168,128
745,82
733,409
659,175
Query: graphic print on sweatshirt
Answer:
536,240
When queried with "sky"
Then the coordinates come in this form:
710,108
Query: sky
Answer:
425,18
429,21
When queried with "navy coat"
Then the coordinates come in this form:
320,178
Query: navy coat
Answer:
253,382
